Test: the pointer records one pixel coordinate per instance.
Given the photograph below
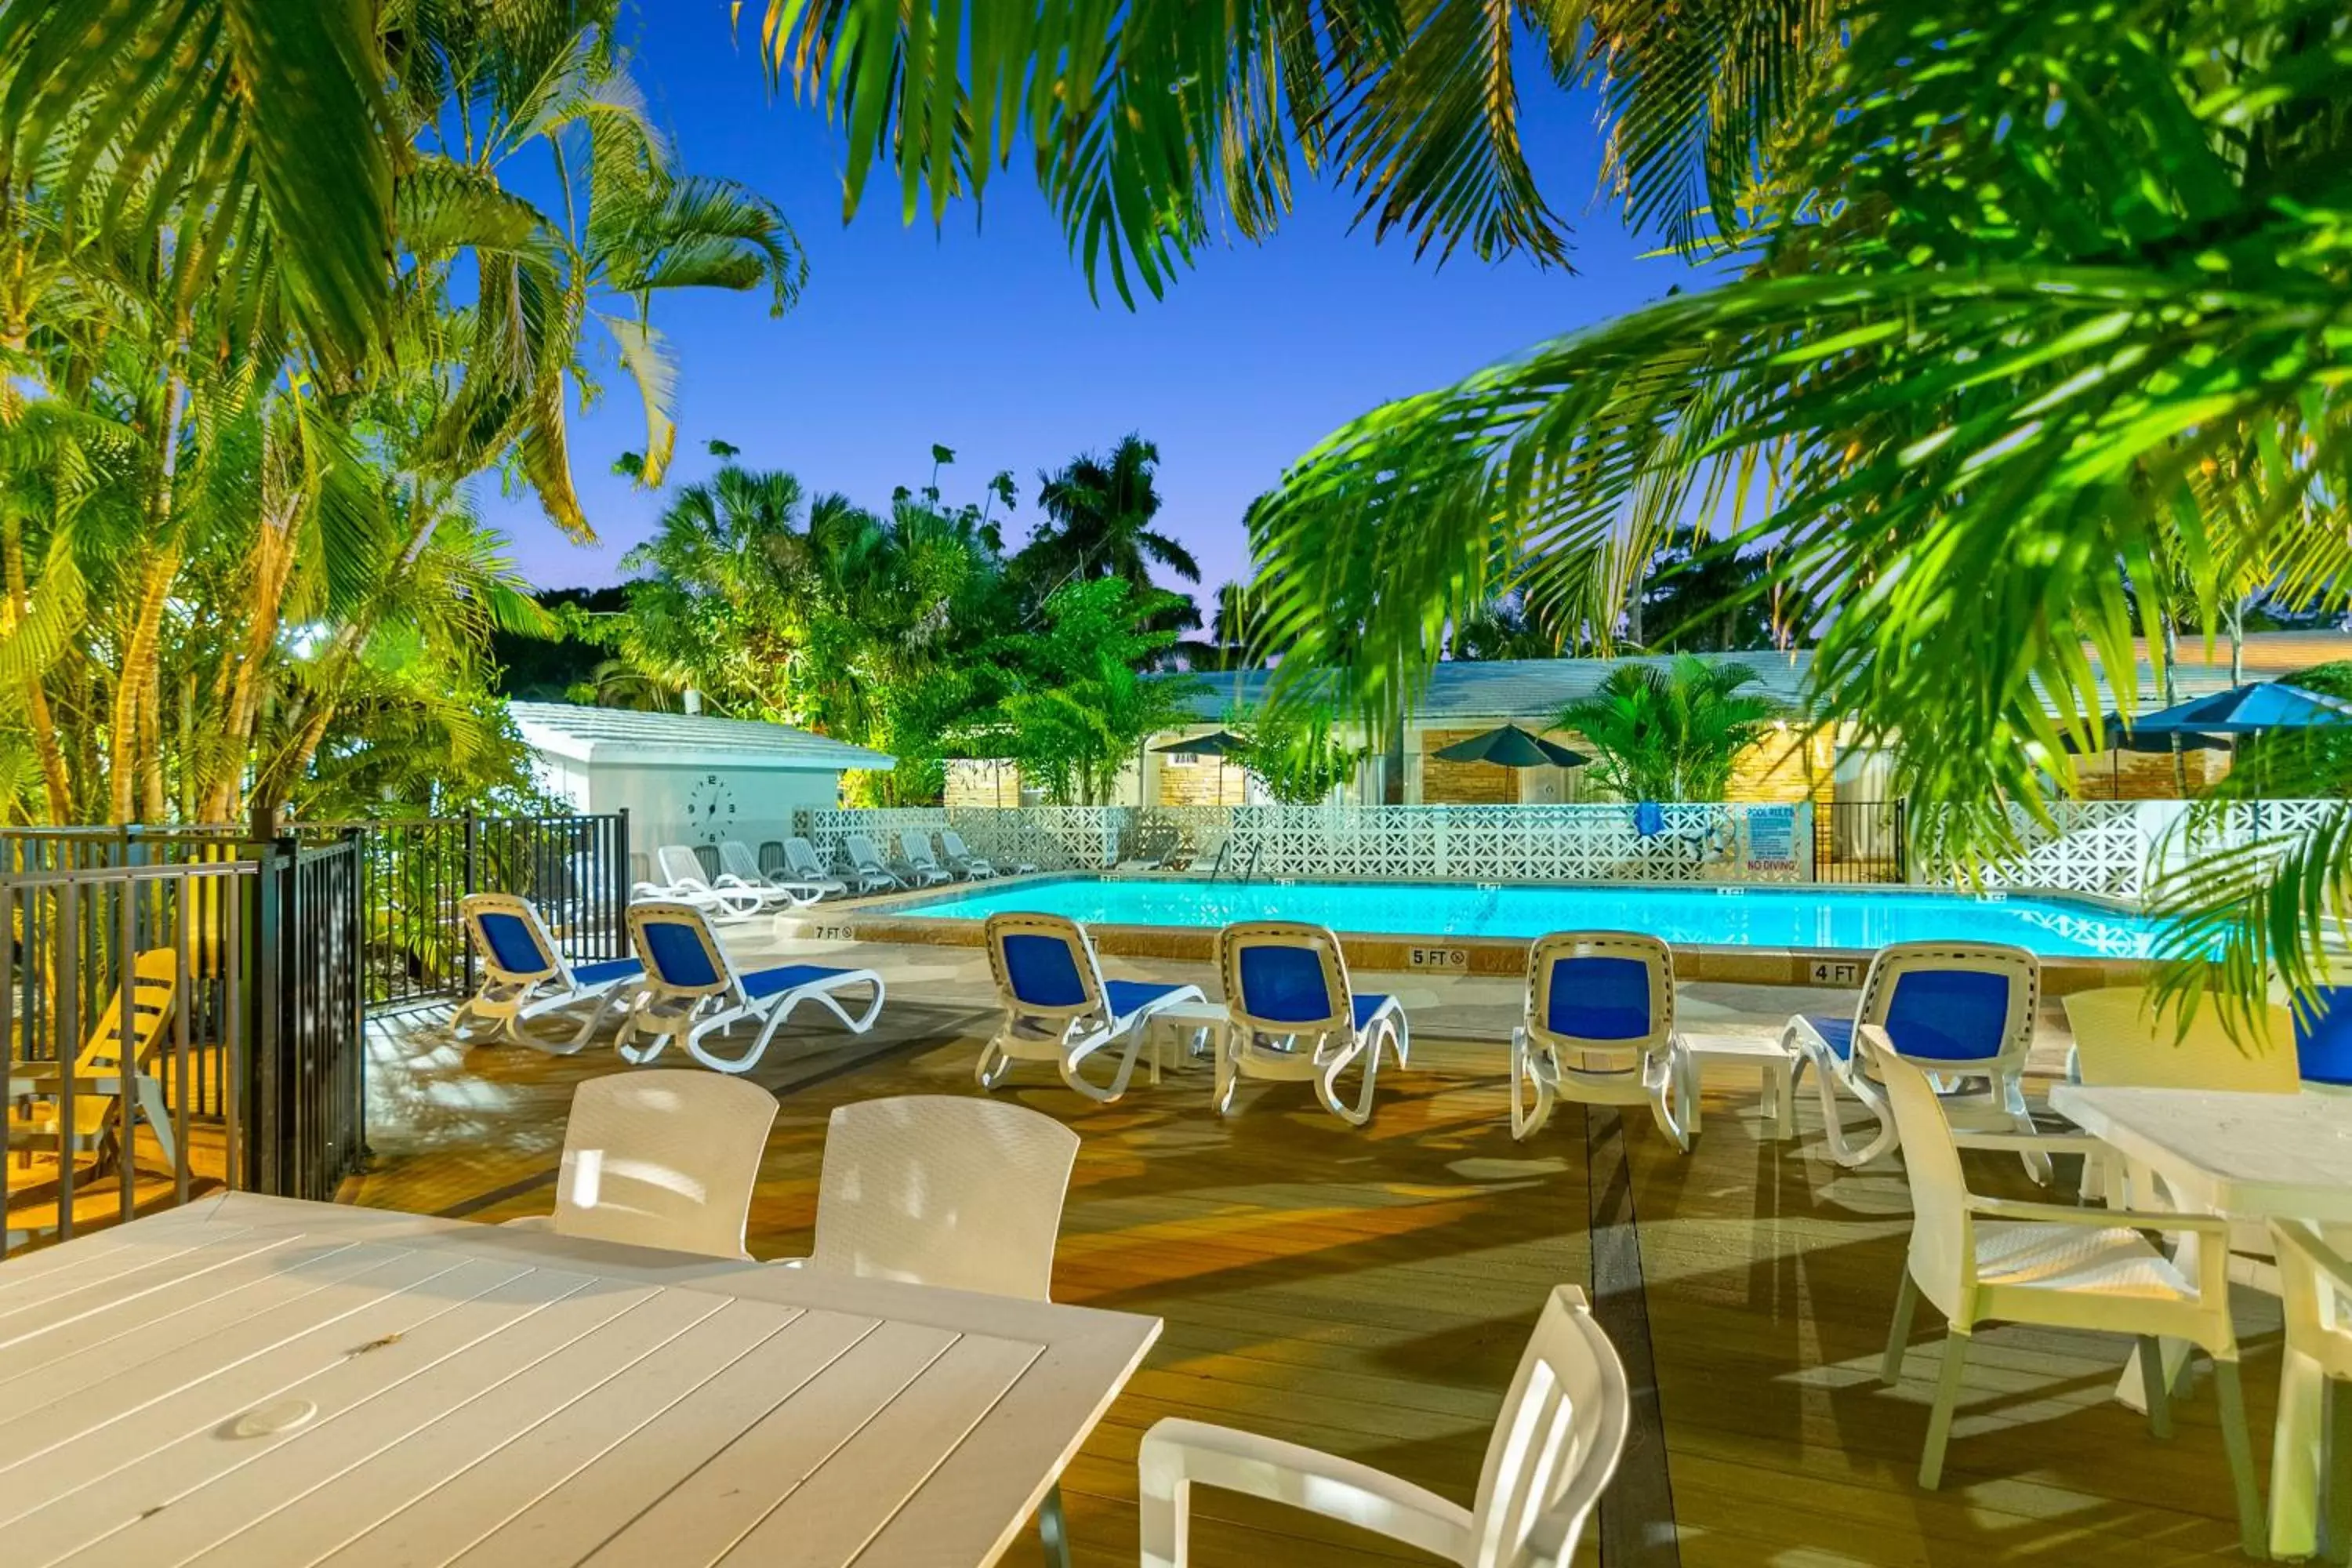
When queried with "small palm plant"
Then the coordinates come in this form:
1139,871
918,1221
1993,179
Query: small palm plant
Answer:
1671,731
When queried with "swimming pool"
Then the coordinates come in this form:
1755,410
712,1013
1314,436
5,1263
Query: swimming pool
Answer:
1728,917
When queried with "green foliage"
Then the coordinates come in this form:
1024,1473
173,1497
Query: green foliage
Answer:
270,298
1704,596
1100,512
816,612
1080,710
1152,126
1670,731
1295,753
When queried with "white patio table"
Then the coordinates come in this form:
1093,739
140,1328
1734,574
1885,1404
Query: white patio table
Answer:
257,1381
2250,1156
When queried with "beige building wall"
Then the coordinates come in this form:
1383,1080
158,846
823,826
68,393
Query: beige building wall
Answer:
2146,775
982,784
1201,780
1788,765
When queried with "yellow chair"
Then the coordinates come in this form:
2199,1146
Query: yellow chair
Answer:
2125,1037
106,1096
2122,1037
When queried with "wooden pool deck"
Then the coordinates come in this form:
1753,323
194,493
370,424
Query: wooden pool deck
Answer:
1369,1292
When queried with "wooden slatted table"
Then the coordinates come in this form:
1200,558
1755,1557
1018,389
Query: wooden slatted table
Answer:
256,1381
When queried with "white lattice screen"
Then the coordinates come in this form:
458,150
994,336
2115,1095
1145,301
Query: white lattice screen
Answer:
1452,843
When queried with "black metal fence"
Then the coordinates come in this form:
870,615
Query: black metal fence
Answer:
184,1007
416,869
1861,841
182,1019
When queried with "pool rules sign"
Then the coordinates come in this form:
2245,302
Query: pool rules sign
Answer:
1776,843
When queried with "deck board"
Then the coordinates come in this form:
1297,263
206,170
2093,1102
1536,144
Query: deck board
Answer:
1370,1292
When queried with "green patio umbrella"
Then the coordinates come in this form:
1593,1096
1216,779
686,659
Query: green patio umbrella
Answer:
1512,747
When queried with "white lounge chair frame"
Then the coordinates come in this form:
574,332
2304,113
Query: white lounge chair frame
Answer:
1311,1050
694,991
740,868
866,865
1652,1067
666,1158
915,849
1997,1106
2311,1508
808,867
512,994
1555,1449
960,856
1979,1260
1068,1016
682,881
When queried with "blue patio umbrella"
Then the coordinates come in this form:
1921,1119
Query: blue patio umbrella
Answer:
2259,708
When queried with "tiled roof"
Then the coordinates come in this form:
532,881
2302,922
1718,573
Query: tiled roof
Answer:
1528,689
624,734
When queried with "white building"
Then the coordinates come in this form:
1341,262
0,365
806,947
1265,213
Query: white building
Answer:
684,778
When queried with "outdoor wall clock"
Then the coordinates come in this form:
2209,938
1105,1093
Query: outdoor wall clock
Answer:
710,808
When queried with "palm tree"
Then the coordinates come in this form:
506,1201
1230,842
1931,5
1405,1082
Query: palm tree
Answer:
1098,516
1671,731
272,301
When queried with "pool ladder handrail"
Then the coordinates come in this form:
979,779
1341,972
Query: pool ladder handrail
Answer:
1258,847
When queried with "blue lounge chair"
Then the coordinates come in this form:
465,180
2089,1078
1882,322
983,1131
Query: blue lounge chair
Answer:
1295,1017
693,990
1058,1008
1962,1011
524,976
1598,1029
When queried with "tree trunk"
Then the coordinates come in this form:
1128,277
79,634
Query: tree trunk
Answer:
135,679
2171,675
273,563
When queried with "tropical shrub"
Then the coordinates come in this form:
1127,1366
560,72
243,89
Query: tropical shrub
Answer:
1295,751
1671,731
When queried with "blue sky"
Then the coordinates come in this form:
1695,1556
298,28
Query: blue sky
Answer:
983,336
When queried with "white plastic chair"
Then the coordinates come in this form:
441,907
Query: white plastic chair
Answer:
808,868
2122,1038
665,1159
965,1195
525,976
739,867
1962,1010
693,990
2315,1426
680,880
1554,1449
960,856
1598,1029
1979,1260
1058,1008
866,865
1295,1019
915,849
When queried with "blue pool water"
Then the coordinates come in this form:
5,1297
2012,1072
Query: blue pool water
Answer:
1746,917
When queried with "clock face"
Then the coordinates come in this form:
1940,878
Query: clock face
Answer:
710,809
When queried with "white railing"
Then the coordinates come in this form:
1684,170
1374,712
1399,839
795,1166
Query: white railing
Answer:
1684,843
